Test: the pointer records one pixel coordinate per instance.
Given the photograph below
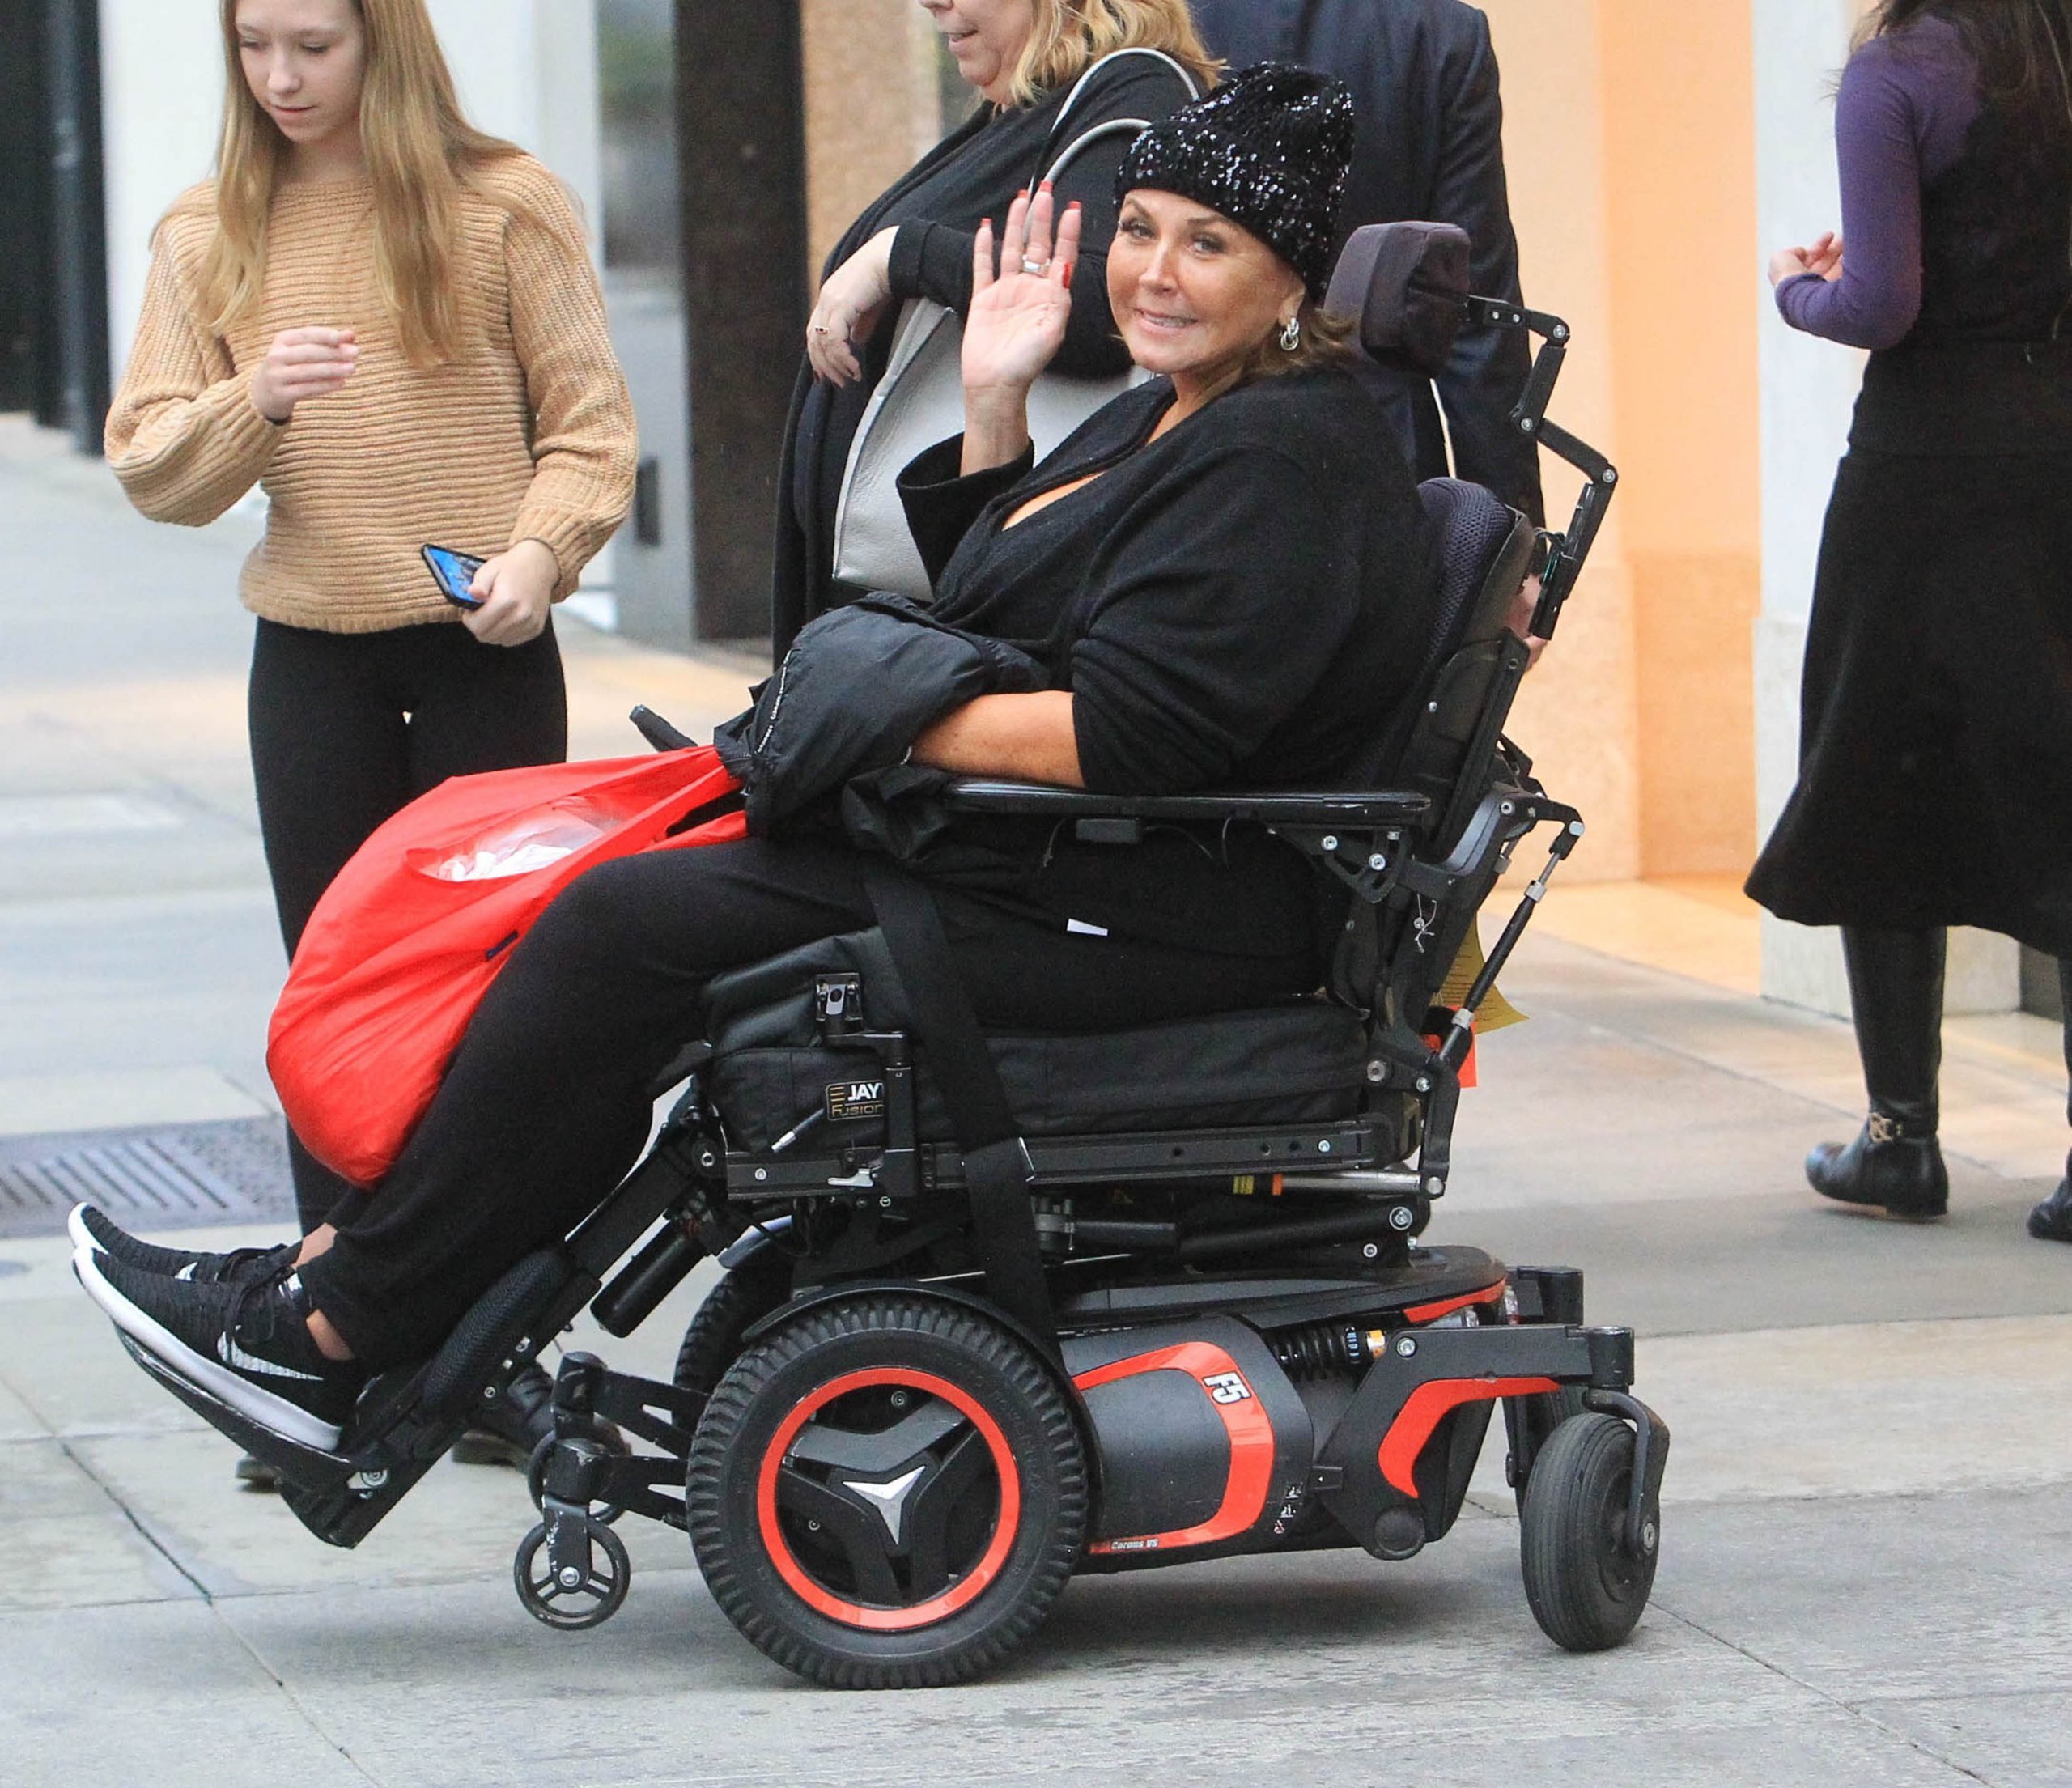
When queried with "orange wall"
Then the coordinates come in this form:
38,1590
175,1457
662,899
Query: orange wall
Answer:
1577,713
1680,142
1630,138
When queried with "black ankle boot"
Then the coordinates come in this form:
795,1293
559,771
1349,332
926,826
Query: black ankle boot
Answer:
1894,1165
2052,1220
1896,995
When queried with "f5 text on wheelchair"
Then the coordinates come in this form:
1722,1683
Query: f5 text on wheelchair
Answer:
1001,1308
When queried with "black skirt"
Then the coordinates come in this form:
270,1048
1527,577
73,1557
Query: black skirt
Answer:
1935,751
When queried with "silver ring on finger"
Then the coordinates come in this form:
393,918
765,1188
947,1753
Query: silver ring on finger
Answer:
1038,268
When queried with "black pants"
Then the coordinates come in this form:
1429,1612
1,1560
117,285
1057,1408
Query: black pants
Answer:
349,728
546,1104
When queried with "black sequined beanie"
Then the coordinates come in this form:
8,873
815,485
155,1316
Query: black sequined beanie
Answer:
1270,149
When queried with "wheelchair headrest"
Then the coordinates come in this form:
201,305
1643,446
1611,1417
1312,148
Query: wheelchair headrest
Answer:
1406,285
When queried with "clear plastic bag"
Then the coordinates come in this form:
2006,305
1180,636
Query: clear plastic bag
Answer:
519,847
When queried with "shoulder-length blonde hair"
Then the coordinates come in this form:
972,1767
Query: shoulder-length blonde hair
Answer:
422,154
1072,35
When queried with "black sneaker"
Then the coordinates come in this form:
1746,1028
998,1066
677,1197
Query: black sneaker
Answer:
101,1232
248,1346
504,1429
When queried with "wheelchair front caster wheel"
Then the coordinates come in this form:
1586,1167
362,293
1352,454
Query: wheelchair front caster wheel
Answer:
1587,1586
536,1476
572,1573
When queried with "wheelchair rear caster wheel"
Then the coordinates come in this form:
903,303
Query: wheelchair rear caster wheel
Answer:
887,1492
572,1572
1586,1586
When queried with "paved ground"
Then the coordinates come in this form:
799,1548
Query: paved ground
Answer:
1867,1574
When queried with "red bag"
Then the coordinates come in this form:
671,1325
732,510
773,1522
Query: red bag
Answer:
405,942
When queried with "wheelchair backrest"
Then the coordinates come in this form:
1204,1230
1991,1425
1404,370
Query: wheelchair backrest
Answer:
1486,550
1407,285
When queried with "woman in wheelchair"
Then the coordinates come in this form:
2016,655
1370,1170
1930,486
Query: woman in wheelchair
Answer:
1225,580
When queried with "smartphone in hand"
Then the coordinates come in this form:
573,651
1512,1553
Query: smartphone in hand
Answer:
453,572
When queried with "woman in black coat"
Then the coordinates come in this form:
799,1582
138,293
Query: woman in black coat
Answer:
1227,575
1024,58
1935,775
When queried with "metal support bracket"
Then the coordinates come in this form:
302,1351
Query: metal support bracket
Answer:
1643,1532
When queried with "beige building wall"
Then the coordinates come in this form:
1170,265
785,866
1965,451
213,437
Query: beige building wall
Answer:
872,107
1579,714
1629,137
1679,152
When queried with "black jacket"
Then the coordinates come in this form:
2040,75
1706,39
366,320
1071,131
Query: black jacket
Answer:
973,174
1240,603
1245,602
855,688
1424,77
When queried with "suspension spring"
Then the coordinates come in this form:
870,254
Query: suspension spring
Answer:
1319,1349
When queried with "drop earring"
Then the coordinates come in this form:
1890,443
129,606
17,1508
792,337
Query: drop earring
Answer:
1291,335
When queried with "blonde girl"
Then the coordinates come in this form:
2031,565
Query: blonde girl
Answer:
389,321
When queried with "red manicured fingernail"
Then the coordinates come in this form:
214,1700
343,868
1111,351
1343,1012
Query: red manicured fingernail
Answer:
1071,268
1048,187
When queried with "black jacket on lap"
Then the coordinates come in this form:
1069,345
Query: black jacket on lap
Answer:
808,732
1430,147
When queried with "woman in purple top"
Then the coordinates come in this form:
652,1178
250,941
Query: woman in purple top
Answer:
1935,755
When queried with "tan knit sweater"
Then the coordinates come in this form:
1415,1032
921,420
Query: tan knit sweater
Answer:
528,435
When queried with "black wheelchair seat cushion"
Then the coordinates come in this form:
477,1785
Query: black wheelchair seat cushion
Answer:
1299,1062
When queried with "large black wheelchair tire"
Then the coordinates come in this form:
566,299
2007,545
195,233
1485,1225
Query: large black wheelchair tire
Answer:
844,1591
733,1307
1587,1589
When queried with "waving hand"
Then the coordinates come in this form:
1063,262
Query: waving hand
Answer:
1020,303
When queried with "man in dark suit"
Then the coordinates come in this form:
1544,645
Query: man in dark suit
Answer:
1424,77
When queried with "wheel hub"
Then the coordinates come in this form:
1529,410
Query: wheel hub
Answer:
888,1499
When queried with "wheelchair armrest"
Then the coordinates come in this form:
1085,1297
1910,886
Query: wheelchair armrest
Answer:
984,795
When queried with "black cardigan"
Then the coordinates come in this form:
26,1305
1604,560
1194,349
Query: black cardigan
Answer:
972,174
1243,602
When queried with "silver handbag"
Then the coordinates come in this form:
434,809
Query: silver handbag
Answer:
920,401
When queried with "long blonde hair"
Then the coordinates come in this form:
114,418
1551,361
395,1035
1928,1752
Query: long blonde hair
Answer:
1072,35
422,156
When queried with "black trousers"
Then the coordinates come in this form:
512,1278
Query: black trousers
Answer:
546,1104
349,728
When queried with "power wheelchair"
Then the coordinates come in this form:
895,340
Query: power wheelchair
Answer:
999,1309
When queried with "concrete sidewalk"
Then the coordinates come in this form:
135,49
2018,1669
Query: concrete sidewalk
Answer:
1868,1567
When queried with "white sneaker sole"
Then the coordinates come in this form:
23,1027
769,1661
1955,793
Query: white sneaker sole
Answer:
277,1414
81,1236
